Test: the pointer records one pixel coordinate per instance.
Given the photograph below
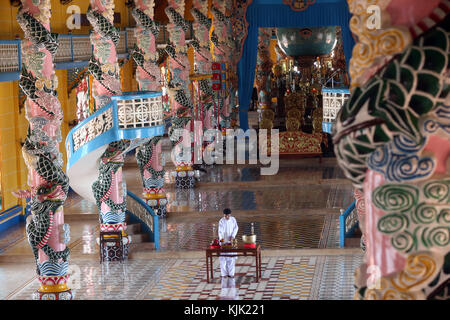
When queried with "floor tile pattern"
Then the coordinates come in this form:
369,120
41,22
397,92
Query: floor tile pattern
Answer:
330,233
108,281
337,278
11,236
262,200
230,174
295,279
283,278
296,232
337,196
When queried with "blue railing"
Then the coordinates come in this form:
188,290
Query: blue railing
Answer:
332,102
336,90
109,128
10,60
348,221
10,217
74,52
145,214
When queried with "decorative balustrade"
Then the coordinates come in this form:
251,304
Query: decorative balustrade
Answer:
74,51
10,59
333,100
82,49
348,221
138,111
138,208
132,115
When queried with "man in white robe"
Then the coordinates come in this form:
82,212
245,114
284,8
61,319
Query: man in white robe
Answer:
228,229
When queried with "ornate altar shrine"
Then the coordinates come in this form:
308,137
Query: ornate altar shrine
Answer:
290,87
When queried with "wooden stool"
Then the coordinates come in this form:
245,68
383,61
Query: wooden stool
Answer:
111,237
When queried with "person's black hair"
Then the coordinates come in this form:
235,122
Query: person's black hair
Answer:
227,211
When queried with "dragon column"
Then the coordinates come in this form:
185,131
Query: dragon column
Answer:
148,75
46,231
203,61
392,141
109,190
223,46
263,71
178,89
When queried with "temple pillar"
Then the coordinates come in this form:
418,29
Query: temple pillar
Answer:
391,141
49,185
180,132
202,77
223,51
263,86
109,189
148,76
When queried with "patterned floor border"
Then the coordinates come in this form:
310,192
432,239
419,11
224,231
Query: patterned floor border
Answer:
283,278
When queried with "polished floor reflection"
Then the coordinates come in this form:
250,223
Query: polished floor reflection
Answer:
295,215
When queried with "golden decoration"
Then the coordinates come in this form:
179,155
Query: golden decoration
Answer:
295,100
266,124
160,195
292,124
183,168
420,269
53,288
268,114
376,45
277,70
294,113
317,120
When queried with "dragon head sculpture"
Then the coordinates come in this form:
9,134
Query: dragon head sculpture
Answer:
392,140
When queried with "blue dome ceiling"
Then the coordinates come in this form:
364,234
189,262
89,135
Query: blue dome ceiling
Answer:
306,41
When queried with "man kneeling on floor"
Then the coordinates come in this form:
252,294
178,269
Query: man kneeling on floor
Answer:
228,229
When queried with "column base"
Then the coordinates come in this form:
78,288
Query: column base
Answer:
114,253
185,182
114,247
184,179
157,202
63,295
159,209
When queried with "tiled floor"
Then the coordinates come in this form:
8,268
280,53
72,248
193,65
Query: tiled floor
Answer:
283,278
11,236
295,215
272,232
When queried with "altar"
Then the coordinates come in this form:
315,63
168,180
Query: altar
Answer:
295,68
239,251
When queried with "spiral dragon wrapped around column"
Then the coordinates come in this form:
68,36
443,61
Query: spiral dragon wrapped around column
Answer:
224,49
203,57
392,141
178,89
49,185
263,72
109,190
148,75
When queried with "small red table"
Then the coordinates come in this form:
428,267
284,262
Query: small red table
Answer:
240,252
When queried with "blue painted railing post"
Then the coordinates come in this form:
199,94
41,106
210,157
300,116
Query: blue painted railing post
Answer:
19,50
341,229
154,236
156,231
71,47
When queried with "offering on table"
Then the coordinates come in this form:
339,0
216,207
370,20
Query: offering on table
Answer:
214,244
